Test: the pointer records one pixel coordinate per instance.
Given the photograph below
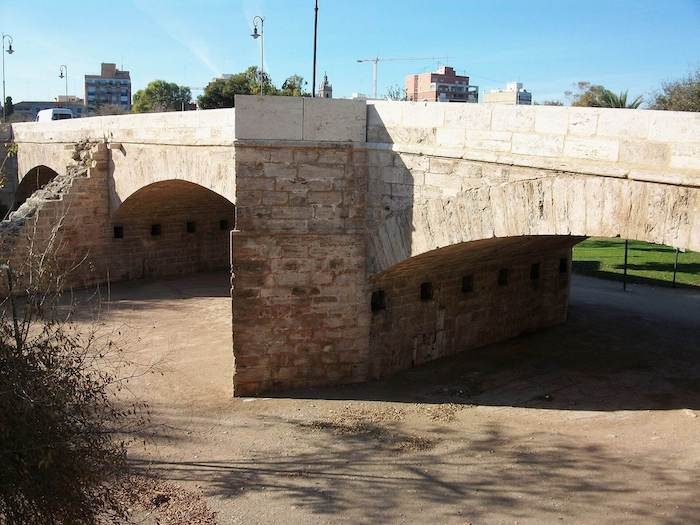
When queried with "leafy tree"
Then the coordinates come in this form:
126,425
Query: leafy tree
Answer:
219,92
294,87
253,76
160,95
396,92
9,107
597,96
679,95
550,103
608,99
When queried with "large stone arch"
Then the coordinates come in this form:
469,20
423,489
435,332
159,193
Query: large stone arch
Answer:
171,227
540,203
136,166
35,179
54,156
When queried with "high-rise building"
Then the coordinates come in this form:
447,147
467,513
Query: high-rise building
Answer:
111,86
443,85
513,94
325,90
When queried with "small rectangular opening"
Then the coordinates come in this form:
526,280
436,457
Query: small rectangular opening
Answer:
534,271
467,284
223,224
155,229
119,232
563,265
503,277
426,291
191,227
378,300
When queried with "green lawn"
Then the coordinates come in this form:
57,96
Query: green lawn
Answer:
646,262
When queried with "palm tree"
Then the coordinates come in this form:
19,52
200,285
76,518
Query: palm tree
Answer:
608,99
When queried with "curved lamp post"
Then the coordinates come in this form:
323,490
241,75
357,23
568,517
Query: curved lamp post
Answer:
61,70
260,35
9,51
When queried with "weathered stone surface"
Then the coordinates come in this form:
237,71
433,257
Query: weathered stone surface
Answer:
435,193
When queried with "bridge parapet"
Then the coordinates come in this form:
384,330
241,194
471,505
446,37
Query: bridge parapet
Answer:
655,146
214,127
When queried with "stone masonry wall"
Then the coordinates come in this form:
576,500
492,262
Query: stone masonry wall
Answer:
300,301
170,228
466,296
72,208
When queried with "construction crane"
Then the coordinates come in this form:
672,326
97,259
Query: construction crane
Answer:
375,61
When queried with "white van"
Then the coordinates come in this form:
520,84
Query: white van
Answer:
46,115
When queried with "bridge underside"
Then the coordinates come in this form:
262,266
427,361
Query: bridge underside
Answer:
465,296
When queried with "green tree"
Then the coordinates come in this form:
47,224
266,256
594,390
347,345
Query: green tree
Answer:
253,76
396,92
679,95
597,96
294,87
160,95
608,99
220,92
9,106
549,103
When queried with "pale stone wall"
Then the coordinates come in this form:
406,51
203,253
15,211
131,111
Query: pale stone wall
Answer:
655,146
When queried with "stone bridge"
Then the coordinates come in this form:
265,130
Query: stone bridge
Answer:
363,237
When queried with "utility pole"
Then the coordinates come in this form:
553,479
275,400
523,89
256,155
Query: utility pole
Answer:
313,82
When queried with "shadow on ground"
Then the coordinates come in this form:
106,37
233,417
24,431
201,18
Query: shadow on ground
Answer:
521,477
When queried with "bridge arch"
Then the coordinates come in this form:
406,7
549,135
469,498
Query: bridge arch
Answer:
559,204
136,166
169,228
33,180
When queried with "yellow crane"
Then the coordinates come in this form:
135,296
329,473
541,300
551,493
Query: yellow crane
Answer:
375,62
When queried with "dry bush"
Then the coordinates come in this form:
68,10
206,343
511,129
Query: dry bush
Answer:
64,426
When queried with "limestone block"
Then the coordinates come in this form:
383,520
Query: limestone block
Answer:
537,145
489,140
582,121
674,126
551,119
591,148
271,118
382,114
334,120
685,156
512,118
618,122
423,114
644,152
449,137
468,116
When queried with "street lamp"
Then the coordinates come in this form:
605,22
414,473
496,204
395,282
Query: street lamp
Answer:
61,75
9,52
260,35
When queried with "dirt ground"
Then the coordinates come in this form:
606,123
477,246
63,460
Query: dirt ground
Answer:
595,421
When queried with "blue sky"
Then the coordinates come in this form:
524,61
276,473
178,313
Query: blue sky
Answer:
547,45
